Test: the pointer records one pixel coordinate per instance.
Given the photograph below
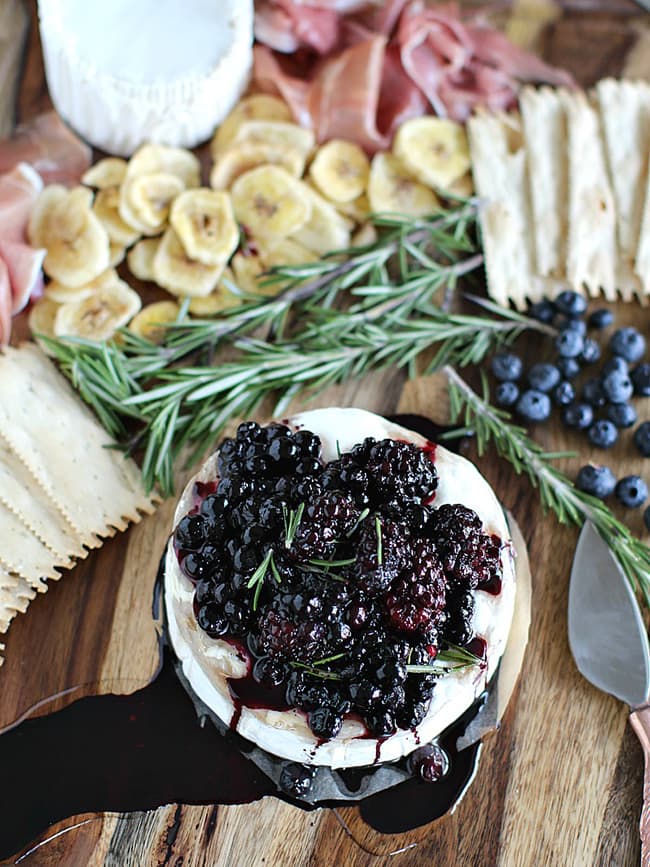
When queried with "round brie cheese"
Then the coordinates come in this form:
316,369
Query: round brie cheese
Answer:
207,663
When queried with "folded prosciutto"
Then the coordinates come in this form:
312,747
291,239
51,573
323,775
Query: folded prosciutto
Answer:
367,67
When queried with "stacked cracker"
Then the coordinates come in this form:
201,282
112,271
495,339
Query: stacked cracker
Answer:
61,488
566,192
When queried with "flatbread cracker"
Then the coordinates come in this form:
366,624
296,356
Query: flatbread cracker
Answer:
546,145
625,117
15,596
592,246
23,553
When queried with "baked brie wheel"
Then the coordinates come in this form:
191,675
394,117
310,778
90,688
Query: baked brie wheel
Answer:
338,589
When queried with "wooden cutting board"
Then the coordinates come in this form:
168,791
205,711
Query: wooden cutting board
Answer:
560,784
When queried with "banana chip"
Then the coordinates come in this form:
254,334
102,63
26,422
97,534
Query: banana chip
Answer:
205,223
76,242
364,236
260,106
148,199
150,322
276,133
100,315
140,258
116,253
42,316
392,189
106,209
180,275
109,172
247,269
434,150
220,299
285,252
270,202
357,210
340,170
61,293
326,229
243,157
156,159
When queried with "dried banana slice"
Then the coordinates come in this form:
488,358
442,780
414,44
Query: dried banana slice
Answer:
340,170
220,299
106,209
463,186
357,210
150,322
140,258
243,157
42,316
326,229
259,106
285,252
364,236
434,150
76,242
180,275
270,202
61,293
205,223
276,133
247,269
392,188
117,254
155,159
145,200
100,315
109,172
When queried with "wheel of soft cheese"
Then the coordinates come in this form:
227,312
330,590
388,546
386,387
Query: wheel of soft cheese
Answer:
213,666
122,73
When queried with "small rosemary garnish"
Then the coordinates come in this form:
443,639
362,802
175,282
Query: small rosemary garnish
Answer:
380,553
362,517
257,578
292,519
327,563
457,657
317,672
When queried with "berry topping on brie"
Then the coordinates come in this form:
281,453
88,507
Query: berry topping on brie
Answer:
338,589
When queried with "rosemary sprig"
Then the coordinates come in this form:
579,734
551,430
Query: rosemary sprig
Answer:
292,519
557,493
257,578
380,552
449,660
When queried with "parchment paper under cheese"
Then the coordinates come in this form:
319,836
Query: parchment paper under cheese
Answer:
592,249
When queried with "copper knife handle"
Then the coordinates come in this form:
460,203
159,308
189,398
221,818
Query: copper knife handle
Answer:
640,721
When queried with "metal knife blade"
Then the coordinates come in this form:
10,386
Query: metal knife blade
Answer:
607,635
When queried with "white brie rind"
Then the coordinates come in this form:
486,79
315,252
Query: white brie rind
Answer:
207,662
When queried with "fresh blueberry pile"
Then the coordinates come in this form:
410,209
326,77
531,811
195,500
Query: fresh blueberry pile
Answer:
336,576
594,400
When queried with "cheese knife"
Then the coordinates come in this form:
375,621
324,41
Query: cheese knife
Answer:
609,643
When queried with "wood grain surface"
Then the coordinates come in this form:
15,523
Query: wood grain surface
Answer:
561,782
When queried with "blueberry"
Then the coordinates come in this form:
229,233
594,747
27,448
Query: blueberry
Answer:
571,303
599,481
506,366
592,393
631,491
534,405
600,318
646,518
296,779
543,376
617,387
544,311
640,377
568,367
642,438
602,434
590,351
564,393
506,394
615,364
566,323
629,343
578,415
569,343
622,414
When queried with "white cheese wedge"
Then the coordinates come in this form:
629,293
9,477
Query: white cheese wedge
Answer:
122,73
207,662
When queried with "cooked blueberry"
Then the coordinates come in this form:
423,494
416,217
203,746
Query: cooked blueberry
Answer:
543,376
325,722
506,366
629,343
631,491
563,393
296,780
568,367
592,393
599,481
191,532
640,377
601,318
431,763
642,438
617,387
578,415
622,414
506,394
381,722
569,343
603,434
543,311
590,352
571,303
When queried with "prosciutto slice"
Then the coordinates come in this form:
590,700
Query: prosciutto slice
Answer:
25,275
49,147
5,304
19,189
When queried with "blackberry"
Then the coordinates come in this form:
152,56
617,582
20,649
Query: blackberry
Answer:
381,722
325,722
326,519
417,596
469,557
458,628
383,549
399,472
